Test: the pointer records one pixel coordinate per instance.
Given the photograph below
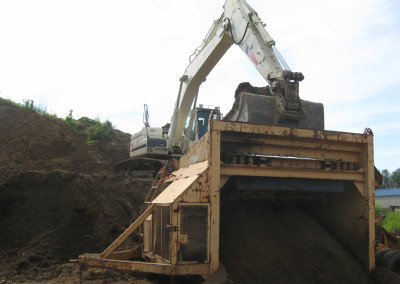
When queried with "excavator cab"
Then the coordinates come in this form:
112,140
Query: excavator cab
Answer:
197,127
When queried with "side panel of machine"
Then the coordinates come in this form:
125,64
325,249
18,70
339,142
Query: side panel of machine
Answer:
193,233
337,165
148,142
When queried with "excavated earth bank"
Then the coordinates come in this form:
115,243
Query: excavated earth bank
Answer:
58,196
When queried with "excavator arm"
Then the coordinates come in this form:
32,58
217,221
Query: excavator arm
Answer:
241,25
214,46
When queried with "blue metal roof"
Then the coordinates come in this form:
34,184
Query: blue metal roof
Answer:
387,192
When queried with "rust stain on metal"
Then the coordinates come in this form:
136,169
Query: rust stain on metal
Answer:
293,132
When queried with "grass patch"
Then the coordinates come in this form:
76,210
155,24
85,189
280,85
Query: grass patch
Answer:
7,102
94,129
379,210
28,104
392,220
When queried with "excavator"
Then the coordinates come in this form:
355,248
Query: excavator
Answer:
271,145
277,104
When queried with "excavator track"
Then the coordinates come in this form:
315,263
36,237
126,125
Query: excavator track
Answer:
139,167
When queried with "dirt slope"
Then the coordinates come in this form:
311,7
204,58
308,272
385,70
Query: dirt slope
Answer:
30,141
58,195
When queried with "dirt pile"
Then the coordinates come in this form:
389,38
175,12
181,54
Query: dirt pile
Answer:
58,196
30,141
265,244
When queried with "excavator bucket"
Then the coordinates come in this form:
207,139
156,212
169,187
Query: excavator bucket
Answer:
264,109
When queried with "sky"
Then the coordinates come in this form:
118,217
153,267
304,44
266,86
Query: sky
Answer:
106,59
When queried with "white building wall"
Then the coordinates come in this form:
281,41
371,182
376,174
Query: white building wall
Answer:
387,201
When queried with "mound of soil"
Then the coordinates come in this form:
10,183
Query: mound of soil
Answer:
30,141
261,243
58,196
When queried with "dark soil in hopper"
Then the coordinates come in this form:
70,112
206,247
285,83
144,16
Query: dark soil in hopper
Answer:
261,243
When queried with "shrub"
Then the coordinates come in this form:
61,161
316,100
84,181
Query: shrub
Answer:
392,220
379,210
70,120
100,131
96,129
30,104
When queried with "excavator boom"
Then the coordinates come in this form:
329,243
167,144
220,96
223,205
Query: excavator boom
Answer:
240,25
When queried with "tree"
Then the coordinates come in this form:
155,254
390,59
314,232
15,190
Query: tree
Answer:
390,180
386,179
396,178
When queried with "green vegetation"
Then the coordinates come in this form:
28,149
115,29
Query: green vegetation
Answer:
7,102
100,131
392,220
390,180
28,104
94,128
379,210
79,124
70,120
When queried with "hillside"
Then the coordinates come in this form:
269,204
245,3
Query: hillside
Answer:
58,195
